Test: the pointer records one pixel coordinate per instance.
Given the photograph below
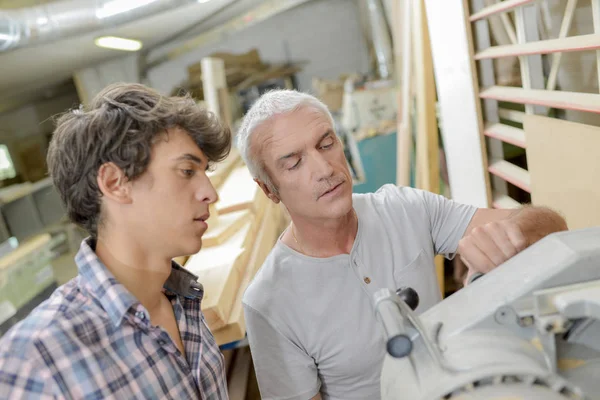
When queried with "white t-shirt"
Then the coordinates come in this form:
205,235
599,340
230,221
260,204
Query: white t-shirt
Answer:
311,321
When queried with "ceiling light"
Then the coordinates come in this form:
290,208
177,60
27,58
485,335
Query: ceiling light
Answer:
203,1
117,43
115,7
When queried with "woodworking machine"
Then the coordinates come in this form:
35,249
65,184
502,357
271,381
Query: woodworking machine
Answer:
530,329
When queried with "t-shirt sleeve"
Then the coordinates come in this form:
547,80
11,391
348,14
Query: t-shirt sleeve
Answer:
283,370
448,221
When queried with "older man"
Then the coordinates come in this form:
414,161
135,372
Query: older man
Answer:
311,323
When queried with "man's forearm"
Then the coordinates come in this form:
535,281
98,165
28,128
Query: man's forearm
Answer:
537,222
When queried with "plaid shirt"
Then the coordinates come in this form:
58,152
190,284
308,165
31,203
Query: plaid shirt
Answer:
93,340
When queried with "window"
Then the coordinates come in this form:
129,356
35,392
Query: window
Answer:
7,168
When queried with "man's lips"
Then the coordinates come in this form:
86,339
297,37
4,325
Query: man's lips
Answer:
331,189
203,218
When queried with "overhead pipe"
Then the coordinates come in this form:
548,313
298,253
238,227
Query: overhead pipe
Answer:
45,23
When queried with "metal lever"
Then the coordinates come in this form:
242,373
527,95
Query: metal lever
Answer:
398,342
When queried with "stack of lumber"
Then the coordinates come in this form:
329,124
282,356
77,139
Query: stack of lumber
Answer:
242,71
243,227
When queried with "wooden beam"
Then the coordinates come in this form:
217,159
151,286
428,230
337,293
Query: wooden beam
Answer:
596,22
404,137
428,167
460,108
505,202
238,192
564,29
500,7
589,102
487,78
264,240
532,72
573,43
511,115
511,173
506,133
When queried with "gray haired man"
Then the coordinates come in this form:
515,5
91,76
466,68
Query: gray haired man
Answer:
311,324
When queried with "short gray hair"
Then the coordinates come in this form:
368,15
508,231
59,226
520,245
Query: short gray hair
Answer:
268,106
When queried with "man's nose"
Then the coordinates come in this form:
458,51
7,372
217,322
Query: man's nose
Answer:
322,167
206,192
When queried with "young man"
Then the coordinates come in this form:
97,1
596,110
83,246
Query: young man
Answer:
131,170
311,323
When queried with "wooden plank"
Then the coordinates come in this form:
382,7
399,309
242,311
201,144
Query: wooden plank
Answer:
404,138
220,270
427,149
564,168
511,173
460,109
237,384
596,23
506,133
568,44
265,239
589,102
222,227
564,29
505,202
532,72
511,115
238,192
221,171
487,78
500,7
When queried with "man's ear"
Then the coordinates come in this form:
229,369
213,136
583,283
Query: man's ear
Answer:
113,183
274,198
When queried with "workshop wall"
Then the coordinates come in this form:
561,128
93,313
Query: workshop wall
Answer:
327,34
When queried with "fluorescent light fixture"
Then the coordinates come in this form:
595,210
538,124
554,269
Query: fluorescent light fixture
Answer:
41,20
115,7
117,43
203,1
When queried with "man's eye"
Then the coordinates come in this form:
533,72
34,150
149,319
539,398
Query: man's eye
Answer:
328,145
188,172
295,165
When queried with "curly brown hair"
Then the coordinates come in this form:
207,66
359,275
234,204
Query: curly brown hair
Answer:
121,125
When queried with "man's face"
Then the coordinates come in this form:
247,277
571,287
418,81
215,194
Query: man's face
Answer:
170,199
306,163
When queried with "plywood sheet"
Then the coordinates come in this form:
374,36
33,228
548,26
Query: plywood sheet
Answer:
564,168
265,238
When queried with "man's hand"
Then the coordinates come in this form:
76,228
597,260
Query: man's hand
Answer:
490,245
494,236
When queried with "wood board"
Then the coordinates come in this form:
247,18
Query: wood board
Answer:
564,168
221,171
220,271
266,236
222,227
238,192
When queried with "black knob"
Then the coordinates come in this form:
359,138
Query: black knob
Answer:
399,346
409,296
